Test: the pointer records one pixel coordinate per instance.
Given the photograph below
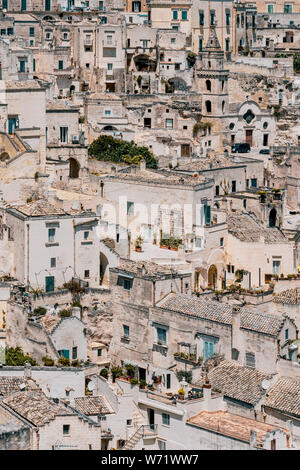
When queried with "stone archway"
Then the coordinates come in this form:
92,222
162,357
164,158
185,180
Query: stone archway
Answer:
74,168
272,217
212,276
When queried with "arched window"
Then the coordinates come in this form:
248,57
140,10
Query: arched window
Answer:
208,106
208,85
223,106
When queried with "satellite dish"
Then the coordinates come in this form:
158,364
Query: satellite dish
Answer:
265,384
91,386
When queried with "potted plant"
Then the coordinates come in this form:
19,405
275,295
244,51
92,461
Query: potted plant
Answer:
143,384
139,243
181,394
134,381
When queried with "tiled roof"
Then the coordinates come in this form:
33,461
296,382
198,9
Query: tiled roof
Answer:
220,312
163,177
36,407
49,322
207,163
285,396
148,268
289,296
92,405
232,425
248,229
42,207
10,384
239,382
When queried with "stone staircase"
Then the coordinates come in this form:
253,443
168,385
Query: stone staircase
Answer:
144,431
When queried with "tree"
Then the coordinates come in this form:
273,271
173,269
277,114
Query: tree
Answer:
16,357
297,63
108,149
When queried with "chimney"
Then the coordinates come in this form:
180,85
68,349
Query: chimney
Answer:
143,165
113,170
206,390
236,322
27,370
252,438
76,312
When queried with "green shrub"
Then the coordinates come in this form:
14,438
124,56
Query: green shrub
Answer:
16,357
40,311
48,361
130,369
104,373
76,303
64,362
108,149
64,313
75,363
134,381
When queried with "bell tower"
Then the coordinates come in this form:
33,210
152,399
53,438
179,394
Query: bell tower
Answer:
213,79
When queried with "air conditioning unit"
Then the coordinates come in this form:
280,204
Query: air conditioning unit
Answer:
75,139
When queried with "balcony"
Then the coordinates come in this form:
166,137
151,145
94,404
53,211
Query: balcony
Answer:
161,348
109,43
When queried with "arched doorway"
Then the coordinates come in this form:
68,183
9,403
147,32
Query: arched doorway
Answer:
74,168
104,276
272,217
212,276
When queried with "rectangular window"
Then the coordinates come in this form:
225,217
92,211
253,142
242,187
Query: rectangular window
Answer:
60,65
126,331
233,186
166,419
184,14
217,190
99,352
10,31
109,66
33,65
201,18
127,284
161,444
23,5
276,267
175,15
169,123
74,352
266,139
254,182
221,241
200,44
52,262
250,359
107,112
271,8
86,273
22,66
64,134
286,334
31,32
212,17
130,208
161,335
66,429
227,18
101,6
51,235
86,235
288,8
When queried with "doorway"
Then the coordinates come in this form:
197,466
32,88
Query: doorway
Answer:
151,418
249,136
142,374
